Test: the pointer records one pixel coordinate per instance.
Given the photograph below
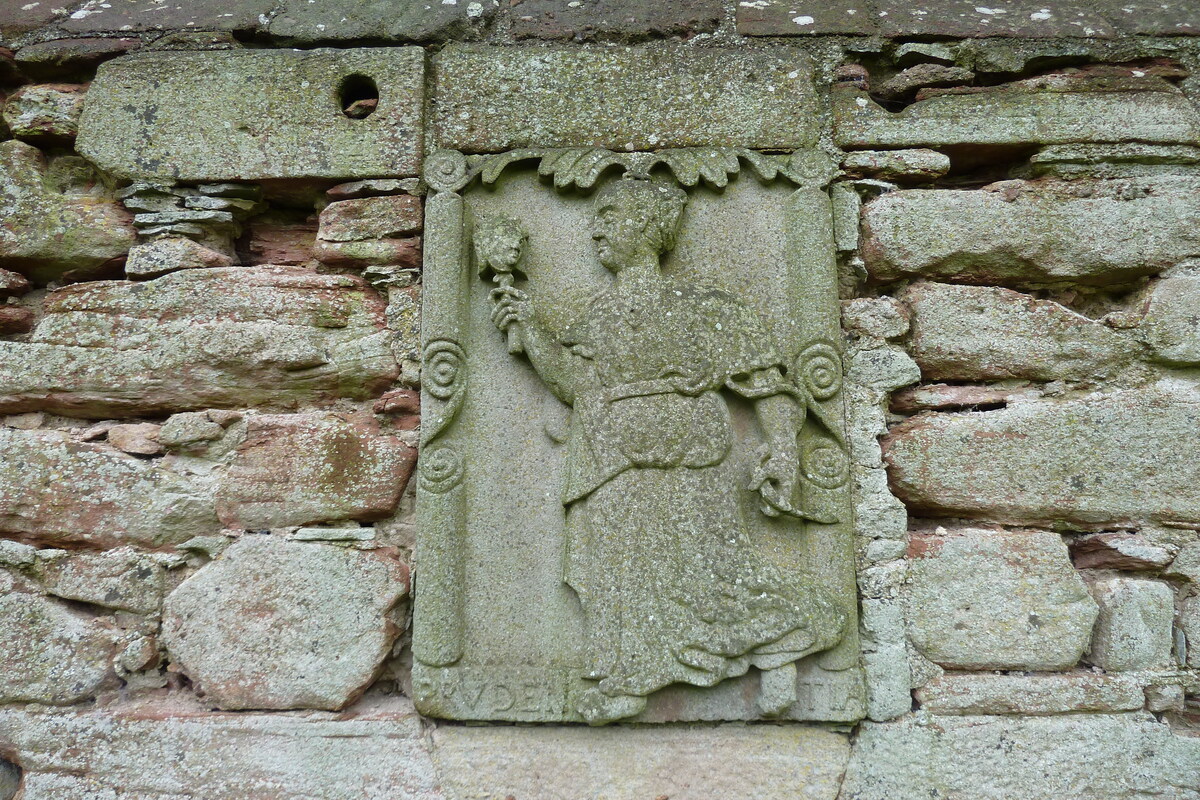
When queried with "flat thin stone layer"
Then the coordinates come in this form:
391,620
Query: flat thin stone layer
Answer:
766,762
1106,459
173,747
1053,110
494,99
254,114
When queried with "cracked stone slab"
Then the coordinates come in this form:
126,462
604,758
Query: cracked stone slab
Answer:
985,333
254,114
200,338
1023,233
1105,459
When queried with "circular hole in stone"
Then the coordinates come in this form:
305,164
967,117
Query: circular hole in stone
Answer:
359,96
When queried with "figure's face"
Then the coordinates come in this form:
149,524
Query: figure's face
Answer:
506,254
617,234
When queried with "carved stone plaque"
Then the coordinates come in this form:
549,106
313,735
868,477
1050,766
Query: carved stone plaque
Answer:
634,498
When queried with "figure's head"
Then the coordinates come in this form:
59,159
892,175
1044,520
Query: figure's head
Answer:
498,243
636,218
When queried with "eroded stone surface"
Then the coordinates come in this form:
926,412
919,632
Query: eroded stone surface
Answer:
1074,757
1171,326
490,100
340,22
277,624
54,490
897,165
47,112
991,693
769,762
1020,233
52,234
1118,551
994,599
50,653
370,218
169,254
1105,458
1134,627
301,468
981,333
123,579
1052,109
250,114
200,338
171,748
552,19
107,16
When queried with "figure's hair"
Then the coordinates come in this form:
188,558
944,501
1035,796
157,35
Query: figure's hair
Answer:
492,232
659,203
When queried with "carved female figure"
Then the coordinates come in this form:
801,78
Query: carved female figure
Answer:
671,588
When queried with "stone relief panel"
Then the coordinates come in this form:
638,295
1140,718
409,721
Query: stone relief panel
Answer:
633,487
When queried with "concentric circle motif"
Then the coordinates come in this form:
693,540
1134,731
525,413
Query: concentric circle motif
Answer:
446,170
441,469
820,367
825,464
442,365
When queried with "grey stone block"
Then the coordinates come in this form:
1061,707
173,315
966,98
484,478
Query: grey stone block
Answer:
253,114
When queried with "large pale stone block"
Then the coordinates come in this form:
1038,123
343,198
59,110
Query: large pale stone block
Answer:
50,653
172,748
1030,233
1134,630
1071,757
50,232
199,338
493,99
253,114
1051,109
278,624
1103,459
684,763
996,599
983,333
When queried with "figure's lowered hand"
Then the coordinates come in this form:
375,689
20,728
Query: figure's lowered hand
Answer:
775,481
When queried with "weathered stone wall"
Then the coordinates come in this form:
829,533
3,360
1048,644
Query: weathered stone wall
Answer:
210,289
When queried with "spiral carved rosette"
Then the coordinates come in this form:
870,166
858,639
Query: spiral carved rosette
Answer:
819,367
441,469
825,464
446,171
443,377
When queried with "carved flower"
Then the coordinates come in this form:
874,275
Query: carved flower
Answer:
820,368
441,469
443,361
446,170
825,464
